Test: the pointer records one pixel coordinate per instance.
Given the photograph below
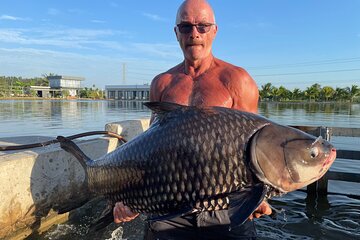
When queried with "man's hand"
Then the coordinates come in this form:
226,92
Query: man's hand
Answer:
123,213
263,209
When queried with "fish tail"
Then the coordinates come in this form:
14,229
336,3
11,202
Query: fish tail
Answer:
72,148
83,194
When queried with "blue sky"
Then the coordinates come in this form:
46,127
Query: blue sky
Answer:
289,43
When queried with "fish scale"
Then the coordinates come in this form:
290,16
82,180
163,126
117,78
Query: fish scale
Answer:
205,159
201,156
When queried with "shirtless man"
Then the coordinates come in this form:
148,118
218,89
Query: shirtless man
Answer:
201,80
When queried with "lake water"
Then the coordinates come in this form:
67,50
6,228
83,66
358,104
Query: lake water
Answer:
332,217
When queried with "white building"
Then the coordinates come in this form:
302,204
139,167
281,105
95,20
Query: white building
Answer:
128,92
70,83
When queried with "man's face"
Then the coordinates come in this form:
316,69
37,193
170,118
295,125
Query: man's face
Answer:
195,41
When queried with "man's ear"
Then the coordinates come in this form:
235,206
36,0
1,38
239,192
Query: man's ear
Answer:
176,34
215,29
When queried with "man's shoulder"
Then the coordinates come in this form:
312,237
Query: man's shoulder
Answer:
167,75
164,79
228,68
231,73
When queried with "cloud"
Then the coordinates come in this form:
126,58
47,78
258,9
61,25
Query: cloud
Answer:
76,11
159,50
53,11
97,69
12,18
154,17
64,38
97,21
87,41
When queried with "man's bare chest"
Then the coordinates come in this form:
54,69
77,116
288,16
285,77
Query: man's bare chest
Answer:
199,93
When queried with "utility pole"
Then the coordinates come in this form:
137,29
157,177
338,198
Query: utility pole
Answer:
124,73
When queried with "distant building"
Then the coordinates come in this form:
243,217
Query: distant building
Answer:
57,86
69,83
42,91
128,92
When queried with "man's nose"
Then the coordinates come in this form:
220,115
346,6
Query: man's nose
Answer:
194,32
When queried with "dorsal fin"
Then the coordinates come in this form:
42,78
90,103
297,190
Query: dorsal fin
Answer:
163,107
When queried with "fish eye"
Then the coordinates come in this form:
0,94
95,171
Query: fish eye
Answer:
314,152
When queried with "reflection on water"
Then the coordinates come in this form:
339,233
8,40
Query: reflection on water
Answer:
313,114
55,117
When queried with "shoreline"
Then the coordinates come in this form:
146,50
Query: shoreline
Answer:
135,100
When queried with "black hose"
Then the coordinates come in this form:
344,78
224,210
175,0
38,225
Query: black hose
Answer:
42,144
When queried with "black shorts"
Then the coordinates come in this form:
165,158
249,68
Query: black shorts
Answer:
204,225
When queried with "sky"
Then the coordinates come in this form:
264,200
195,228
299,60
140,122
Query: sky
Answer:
287,43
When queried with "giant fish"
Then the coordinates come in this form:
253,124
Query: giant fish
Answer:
194,159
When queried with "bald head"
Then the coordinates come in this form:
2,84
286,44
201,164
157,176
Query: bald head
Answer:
190,8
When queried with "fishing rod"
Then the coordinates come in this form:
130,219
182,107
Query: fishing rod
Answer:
42,144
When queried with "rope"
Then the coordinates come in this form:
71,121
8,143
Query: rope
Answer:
42,144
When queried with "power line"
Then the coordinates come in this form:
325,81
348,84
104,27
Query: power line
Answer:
309,63
142,74
301,73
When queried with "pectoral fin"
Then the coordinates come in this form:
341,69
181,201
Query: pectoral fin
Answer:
182,212
244,202
104,219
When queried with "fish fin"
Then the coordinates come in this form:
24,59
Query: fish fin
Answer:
65,207
105,219
275,211
72,148
162,107
244,202
82,196
171,215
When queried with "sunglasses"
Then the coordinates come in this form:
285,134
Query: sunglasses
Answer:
186,28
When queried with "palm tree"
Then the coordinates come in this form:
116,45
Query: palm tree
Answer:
313,91
327,92
340,94
275,93
265,92
296,94
353,92
284,93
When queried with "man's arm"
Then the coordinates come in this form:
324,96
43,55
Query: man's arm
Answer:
158,84
243,90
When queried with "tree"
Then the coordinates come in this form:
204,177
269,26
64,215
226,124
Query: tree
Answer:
340,94
65,93
352,92
284,94
275,93
265,92
313,91
327,93
296,94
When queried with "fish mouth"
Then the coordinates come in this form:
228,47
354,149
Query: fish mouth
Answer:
329,160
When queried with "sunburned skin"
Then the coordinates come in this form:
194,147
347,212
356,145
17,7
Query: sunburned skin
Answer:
222,84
